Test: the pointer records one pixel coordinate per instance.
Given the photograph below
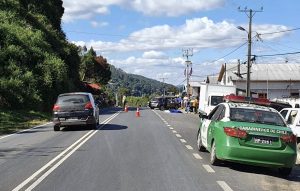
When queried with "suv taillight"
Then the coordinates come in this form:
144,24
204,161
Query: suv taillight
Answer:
88,106
289,138
235,132
56,107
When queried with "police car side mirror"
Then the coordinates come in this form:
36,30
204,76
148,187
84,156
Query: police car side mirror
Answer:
203,115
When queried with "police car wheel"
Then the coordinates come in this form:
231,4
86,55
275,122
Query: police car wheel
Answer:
284,172
199,143
213,157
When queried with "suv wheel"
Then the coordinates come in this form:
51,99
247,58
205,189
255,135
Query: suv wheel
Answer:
56,128
162,108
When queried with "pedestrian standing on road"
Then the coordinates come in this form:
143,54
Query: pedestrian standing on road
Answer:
195,105
188,106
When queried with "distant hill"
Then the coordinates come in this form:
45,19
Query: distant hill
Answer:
137,84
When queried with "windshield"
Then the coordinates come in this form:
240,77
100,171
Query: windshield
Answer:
256,116
215,100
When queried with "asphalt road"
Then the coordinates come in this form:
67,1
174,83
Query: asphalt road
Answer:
156,151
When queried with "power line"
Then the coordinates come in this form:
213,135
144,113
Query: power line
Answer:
289,30
280,54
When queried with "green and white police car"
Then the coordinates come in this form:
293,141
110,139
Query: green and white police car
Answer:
249,134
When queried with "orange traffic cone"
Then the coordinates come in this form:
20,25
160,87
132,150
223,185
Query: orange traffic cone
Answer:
137,114
126,108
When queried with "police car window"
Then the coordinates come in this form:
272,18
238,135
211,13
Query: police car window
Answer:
222,114
217,113
283,113
256,116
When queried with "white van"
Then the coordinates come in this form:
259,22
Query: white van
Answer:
292,117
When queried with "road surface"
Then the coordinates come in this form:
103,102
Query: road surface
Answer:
156,151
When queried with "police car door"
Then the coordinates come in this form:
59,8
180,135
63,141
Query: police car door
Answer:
207,123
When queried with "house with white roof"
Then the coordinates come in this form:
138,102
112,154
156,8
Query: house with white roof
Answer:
267,80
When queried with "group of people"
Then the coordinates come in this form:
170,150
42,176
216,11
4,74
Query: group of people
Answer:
190,105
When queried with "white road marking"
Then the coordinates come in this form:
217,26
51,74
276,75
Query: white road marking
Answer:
62,156
25,130
208,168
177,135
189,147
174,131
224,186
169,125
197,156
183,141
171,128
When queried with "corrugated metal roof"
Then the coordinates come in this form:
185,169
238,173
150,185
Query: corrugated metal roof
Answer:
271,72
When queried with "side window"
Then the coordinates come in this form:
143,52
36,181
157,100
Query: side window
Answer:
292,116
216,115
283,113
222,114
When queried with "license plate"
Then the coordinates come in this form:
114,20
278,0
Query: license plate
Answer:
262,141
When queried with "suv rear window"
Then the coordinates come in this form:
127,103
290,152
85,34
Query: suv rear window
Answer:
66,99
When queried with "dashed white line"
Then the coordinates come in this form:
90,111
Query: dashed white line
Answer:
174,131
197,156
171,128
169,125
177,135
224,186
183,141
208,168
189,147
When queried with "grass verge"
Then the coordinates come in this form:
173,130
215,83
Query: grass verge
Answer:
12,121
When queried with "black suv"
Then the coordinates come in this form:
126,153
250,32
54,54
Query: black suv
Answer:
76,108
163,103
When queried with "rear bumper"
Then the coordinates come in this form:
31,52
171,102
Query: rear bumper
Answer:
70,122
257,156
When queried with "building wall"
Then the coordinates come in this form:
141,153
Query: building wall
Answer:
272,89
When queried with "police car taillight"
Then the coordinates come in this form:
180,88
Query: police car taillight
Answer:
289,138
235,132
243,99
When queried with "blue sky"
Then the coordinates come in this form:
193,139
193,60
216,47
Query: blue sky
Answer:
146,37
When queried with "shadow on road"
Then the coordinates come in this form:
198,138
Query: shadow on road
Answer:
294,176
113,127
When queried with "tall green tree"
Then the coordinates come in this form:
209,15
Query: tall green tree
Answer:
36,61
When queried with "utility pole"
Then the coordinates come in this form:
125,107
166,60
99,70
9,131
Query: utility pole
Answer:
163,79
250,13
187,53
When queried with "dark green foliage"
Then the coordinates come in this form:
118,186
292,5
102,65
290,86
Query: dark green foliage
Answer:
36,61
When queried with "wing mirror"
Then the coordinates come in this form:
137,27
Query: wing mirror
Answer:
203,115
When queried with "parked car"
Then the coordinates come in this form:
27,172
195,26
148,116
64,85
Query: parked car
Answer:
279,105
248,134
77,108
292,117
163,103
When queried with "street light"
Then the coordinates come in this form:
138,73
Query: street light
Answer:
248,94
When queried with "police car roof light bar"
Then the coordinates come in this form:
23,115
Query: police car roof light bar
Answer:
243,99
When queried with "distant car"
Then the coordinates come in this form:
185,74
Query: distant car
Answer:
247,134
77,108
292,117
163,103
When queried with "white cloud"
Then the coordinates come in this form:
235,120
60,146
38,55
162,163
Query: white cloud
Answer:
197,33
96,24
174,7
154,55
78,9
